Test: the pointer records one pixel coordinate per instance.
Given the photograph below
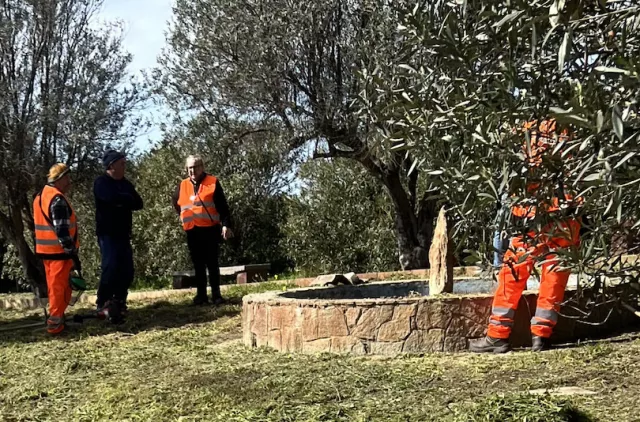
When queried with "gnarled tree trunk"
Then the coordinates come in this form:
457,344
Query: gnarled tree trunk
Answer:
414,220
12,227
413,224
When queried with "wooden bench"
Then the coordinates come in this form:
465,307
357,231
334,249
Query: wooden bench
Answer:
244,274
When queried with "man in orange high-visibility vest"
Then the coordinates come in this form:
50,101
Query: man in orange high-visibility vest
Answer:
519,259
205,217
56,241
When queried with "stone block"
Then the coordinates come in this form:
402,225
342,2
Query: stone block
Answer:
291,340
353,278
370,320
259,340
281,316
440,262
400,325
352,315
317,346
433,314
274,339
404,312
455,343
384,348
433,340
395,330
309,324
331,322
259,323
461,326
343,344
330,280
476,309
368,276
415,342
359,349
247,317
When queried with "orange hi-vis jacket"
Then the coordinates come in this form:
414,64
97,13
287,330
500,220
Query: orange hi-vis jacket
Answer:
542,138
47,243
197,209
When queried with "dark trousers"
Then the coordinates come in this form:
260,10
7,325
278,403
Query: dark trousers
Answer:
203,245
117,269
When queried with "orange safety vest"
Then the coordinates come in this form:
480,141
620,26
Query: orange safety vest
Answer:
197,209
47,242
541,139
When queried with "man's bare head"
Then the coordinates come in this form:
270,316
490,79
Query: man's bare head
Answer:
195,167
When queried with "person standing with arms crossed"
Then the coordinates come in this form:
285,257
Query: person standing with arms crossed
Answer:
204,213
116,198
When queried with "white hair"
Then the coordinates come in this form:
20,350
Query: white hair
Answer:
197,159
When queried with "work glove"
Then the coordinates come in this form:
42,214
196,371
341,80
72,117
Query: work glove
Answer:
77,266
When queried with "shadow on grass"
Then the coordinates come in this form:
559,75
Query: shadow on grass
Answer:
620,335
143,316
522,407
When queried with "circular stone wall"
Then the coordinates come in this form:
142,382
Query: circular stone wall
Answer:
379,318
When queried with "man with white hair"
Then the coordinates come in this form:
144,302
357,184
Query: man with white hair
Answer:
204,214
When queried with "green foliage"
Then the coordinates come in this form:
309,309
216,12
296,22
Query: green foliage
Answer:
521,407
158,240
64,97
340,221
171,361
252,169
466,74
292,65
11,268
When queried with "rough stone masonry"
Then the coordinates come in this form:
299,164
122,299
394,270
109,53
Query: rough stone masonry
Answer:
376,326
297,321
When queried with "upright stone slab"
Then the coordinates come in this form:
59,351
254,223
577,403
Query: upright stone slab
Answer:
441,274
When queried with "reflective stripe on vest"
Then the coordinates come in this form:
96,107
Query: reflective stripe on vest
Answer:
46,239
198,209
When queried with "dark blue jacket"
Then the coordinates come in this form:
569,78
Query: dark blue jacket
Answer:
115,202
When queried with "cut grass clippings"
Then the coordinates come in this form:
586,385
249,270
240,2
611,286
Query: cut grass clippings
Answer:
172,361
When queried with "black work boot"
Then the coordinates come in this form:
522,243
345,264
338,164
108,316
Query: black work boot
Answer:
102,311
538,344
200,300
218,300
115,313
489,345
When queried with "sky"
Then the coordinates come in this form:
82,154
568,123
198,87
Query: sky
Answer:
145,23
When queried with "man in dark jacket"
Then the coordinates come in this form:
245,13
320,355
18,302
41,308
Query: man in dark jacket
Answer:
204,214
116,199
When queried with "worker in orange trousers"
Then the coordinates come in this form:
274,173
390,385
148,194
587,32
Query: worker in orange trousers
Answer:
521,256
56,242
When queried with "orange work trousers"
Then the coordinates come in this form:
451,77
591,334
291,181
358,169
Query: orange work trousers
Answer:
516,268
59,292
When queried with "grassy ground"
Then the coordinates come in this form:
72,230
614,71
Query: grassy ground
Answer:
174,362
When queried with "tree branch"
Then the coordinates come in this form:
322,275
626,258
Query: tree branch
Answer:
251,132
413,181
298,141
333,154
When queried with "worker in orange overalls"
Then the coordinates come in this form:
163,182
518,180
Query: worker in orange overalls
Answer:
56,241
519,259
